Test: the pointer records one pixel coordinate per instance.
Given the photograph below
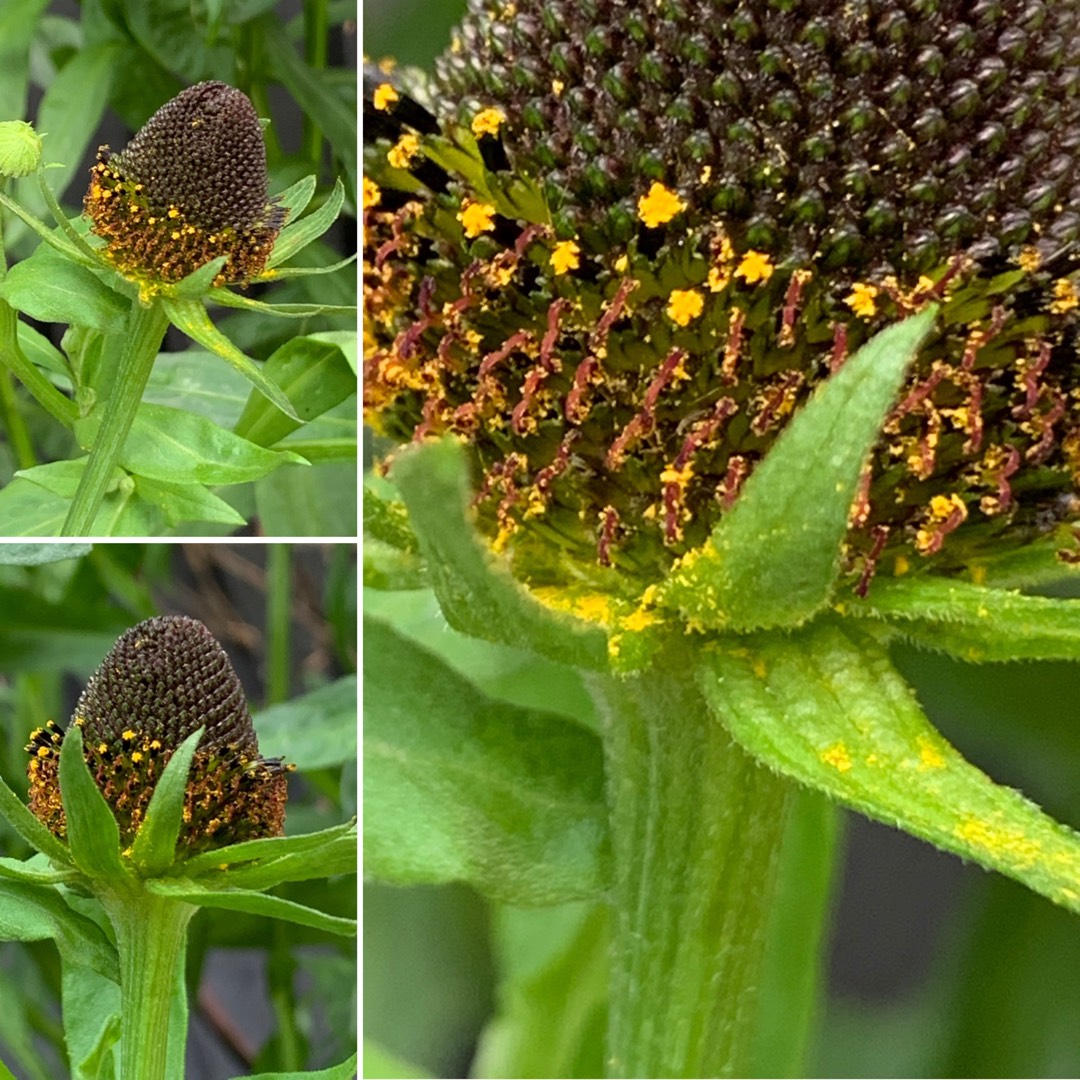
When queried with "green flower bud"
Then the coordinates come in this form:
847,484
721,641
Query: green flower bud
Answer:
189,187
623,244
20,149
161,681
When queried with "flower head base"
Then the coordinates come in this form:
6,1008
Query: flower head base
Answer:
161,681
189,187
753,189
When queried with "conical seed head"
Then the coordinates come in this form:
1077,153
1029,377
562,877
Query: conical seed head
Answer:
189,187
161,681
877,136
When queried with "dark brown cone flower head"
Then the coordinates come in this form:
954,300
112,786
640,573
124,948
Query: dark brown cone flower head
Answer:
161,681
190,186
626,240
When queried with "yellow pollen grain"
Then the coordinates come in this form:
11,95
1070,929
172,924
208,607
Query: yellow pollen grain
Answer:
640,620
1005,842
837,756
863,300
372,193
1029,259
557,87
155,744
476,217
136,757
128,735
755,266
682,477
718,279
565,257
488,122
901,566
622,264
1066,297
930,757
385,96
659,206
102,748
43,752
175,234
403,151
685,305
173,212
759,668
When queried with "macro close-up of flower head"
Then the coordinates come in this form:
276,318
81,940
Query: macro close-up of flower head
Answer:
723,364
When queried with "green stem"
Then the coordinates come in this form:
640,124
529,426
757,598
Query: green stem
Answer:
696,831
11,421
316,34
150,937
146,328
278,613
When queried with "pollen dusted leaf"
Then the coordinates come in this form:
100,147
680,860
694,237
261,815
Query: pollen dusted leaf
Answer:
93,835
199,281
462,787
774,558
972,622
825,706
477,595
154,848
297,236
16,813
190,317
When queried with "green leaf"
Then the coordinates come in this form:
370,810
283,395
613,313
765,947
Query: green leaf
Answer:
477,593
315,730
825,706
167,31
773,559
56,290
296,237
190,316
337,857
154,848
194,381
320,501
315,375
254,903
345,1071
18,21
38,913
380,1062
285,311
91,1010
459,787
182,503
93,835
972,622
35,870
36,554
174,446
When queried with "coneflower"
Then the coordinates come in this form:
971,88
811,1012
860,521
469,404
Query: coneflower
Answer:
163,680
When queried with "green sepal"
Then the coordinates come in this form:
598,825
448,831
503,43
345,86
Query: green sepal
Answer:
774,558
385,518
296,197
53,238
269,848
190,316
38,912
282,272
18,815
200,281
972,622
1045,561
297,236
459,786
250,901
154,848
24,870
825,706
285,311
92,832
477,593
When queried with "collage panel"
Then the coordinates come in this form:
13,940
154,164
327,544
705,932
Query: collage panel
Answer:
178,348
180,899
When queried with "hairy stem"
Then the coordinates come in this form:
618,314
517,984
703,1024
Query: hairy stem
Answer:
696,831
150,935
146,328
